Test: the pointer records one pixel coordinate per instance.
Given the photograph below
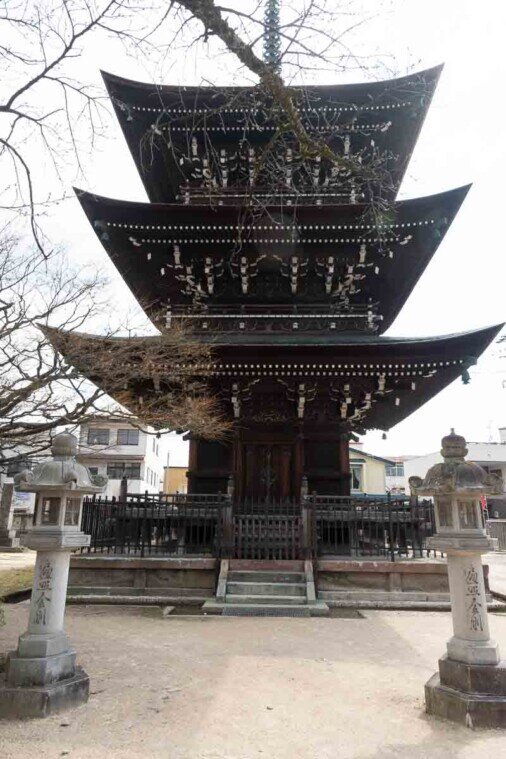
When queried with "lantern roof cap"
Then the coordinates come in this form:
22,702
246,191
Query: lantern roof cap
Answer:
61,472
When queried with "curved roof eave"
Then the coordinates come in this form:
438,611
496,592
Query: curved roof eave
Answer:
92,197
481,335
381,85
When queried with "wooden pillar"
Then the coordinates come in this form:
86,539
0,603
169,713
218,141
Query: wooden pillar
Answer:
237,467
298,463
344,450
192,464
285,473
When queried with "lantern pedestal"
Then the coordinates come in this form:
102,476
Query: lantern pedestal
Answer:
471,641
472,694
470,686
41,676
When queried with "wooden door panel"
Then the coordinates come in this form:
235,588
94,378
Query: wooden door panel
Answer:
268,471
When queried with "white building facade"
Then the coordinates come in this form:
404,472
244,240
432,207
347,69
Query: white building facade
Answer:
368,472
396,480
115,449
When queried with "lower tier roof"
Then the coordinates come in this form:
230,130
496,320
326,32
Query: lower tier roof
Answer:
360,383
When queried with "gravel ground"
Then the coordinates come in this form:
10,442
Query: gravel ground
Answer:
20,560
237,688
497,571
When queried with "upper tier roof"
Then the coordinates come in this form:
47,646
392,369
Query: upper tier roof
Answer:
369,382
173,131
306,256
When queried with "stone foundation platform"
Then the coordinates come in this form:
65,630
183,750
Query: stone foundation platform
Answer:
471,694
37,701
354,583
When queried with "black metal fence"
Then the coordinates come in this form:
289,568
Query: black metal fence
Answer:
147,525
383,527
268,529
209,525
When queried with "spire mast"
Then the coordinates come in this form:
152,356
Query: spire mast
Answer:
272,36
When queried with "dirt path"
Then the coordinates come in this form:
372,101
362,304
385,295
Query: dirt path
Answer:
17,560
232,688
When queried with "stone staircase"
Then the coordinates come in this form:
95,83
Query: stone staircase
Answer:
266,589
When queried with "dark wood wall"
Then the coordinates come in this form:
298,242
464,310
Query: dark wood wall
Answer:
271,461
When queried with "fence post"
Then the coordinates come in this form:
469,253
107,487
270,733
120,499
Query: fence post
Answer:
227,530
390,528
307,529
144,522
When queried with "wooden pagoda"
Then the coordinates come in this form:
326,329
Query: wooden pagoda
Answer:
291,268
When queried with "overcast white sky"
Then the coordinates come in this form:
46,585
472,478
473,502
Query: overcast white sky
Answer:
463,140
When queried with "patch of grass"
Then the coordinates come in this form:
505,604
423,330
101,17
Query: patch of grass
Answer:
12,580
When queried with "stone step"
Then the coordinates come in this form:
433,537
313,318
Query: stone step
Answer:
317,609
266,588
262,599
262,610
266,565
236,575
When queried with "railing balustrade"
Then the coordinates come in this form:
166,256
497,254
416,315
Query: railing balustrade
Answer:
210,525
384,527
160,525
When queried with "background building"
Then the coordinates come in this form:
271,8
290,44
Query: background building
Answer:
396,481
368,472
116,449
175,479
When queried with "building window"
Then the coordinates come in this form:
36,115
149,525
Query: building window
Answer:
356,478
118,470
395,470
128,437
154,445
93,470
98,436
492,470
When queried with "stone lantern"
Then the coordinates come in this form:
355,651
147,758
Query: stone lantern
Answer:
471,684
42,677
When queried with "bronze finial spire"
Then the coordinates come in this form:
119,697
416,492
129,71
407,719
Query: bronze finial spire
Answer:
272,36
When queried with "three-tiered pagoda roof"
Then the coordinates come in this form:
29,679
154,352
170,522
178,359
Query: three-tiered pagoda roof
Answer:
291,268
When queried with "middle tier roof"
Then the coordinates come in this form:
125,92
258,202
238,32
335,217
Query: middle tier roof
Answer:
199,257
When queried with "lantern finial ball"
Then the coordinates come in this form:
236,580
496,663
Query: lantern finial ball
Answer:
64,444
453,447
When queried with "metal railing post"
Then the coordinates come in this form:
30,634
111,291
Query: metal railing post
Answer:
390,528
